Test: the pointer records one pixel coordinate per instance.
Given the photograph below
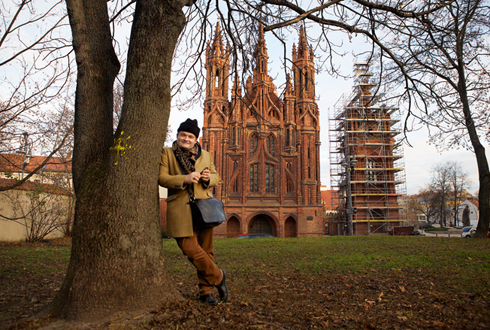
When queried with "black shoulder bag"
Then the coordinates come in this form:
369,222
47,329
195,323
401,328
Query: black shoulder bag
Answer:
206,213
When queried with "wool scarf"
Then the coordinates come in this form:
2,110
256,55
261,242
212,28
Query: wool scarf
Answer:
187,159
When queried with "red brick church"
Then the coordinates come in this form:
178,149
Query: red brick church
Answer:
266,148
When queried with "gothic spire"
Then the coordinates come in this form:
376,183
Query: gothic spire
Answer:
260,55
302,44
218,41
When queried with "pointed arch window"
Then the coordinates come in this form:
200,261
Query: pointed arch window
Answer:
270,145
216,79
254,178
269,178
306,81
253,144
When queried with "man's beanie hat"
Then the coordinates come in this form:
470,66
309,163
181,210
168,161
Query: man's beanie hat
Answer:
190,125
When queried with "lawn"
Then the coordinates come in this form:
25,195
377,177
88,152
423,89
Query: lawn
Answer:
361,282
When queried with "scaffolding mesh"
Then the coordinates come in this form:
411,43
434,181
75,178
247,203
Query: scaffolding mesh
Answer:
366,159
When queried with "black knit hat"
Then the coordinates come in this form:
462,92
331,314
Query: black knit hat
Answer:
190,125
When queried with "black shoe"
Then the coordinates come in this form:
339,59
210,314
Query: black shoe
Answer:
208,299
222,288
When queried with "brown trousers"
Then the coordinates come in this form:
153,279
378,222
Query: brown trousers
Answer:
199,250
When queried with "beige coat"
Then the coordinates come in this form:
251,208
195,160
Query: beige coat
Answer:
179,216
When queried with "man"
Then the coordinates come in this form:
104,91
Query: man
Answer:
185,165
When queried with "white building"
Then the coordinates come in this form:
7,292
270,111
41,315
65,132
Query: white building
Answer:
467,208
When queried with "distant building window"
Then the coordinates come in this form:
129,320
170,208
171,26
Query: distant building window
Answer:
269,178
254,178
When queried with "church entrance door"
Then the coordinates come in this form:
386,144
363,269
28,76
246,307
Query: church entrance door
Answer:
232,227
261,224
290,228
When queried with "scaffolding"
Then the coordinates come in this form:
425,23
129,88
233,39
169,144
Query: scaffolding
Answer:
366,160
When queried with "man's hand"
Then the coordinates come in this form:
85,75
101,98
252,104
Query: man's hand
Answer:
193,178
205,175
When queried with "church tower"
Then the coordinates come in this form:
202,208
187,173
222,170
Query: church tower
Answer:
216,102
266,148
307,121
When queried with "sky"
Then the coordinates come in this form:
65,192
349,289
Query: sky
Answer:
419,158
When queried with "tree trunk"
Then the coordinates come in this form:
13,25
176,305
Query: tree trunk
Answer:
117,256
481,158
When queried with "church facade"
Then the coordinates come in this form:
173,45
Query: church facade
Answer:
266,148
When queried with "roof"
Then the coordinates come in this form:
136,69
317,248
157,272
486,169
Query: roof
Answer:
13,163
327,198
29,186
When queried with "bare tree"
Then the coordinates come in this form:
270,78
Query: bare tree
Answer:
459,181
429,203
441,185
441,61
35,69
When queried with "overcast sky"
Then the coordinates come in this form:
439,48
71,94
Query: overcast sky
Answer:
419,159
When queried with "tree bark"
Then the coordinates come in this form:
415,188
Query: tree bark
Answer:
481,158
117,259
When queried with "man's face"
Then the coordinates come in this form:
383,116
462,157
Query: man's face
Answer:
186,140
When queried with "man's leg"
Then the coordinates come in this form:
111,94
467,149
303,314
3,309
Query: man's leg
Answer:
205,240
208,273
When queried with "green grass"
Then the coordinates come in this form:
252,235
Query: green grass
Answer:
466,262
34,260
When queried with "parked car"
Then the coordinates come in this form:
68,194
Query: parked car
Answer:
468,231
256,236
426,226
418,232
